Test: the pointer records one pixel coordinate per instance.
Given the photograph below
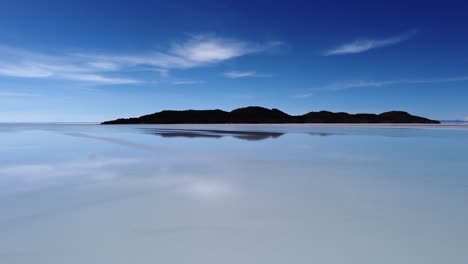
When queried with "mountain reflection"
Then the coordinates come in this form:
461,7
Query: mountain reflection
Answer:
209,133
321,134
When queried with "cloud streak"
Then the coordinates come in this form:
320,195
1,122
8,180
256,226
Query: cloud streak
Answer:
196,51
204,49
366,84
17,94
187,82
243,74
363,45
25,64
239,74
304,96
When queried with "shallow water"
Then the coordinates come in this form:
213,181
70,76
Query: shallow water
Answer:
233,194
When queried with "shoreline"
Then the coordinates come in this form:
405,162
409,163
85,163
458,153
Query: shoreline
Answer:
370,125
355,125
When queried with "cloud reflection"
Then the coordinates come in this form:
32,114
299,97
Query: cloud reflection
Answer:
28,176
202,187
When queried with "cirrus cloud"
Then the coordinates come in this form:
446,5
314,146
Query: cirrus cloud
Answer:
239,74
243,74
364,84
195,51
21,63
187,82
363,45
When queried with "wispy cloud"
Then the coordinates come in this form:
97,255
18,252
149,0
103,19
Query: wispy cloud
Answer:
203,49
303,96
26,70
364,84
187,82
244,74
196,51
25,64
239,74
363,45
162,72
17,94
87,77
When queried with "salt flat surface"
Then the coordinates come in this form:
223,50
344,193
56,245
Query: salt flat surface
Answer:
83,193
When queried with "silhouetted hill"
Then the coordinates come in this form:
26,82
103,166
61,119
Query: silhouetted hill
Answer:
258,115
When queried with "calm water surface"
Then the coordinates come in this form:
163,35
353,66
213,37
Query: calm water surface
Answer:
233,194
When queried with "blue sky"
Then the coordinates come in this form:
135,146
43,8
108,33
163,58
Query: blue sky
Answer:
84,61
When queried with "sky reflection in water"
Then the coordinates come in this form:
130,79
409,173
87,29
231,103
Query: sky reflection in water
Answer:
233,194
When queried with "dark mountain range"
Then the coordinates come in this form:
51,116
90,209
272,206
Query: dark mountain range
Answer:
261,115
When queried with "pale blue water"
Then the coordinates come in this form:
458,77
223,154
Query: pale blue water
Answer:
233,194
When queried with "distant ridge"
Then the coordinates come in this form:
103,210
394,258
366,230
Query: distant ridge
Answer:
261,115
453,121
